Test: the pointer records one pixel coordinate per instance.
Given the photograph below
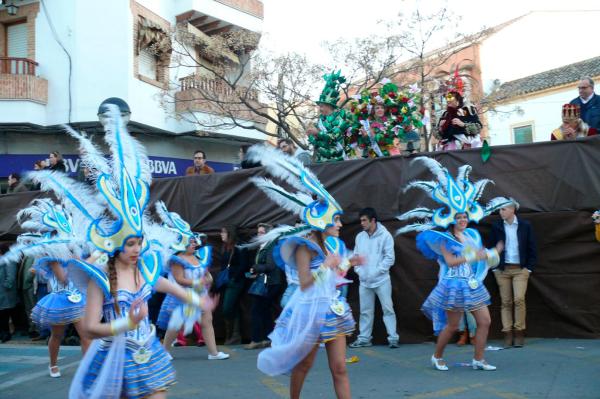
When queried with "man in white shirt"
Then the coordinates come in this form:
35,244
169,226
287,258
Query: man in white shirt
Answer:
517,262
376,244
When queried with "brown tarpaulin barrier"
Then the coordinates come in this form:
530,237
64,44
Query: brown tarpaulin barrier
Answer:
556,183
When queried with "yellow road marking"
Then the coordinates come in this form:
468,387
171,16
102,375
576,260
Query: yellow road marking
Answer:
275,386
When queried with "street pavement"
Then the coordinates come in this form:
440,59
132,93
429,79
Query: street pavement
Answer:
544,368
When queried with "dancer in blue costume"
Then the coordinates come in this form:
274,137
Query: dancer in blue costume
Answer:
51,240
126,253
316,313
459,251
188,268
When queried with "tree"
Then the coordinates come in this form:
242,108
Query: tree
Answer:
437,48
233,83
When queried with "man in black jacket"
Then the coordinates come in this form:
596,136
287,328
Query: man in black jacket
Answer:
517,262
589,102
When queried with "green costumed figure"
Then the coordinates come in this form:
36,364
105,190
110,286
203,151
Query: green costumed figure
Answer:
381,119
330,140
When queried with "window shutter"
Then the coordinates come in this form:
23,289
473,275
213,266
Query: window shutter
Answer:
147,64
17,40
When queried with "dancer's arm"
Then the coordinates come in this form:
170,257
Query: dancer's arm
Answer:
185,295
59,272
179,275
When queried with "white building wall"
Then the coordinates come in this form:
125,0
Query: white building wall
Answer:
538,42
99,38
543,111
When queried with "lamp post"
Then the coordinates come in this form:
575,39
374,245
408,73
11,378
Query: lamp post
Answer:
123,108
11,8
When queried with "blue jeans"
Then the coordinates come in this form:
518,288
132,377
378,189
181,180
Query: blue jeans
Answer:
289,291
470,322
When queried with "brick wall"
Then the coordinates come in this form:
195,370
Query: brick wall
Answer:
252,7
23,87
163,67
26,13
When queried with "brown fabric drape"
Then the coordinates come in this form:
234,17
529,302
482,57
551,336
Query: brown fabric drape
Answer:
556,183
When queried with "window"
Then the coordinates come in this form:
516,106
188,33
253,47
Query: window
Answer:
16,46
147,64
523,134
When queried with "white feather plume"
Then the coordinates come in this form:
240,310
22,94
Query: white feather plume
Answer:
435,167
463,174
480,187
126,152
278,233
292,202
417,213
90,155
495,204
427,186
415,227
280,165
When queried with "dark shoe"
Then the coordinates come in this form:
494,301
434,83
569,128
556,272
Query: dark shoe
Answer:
177,343
462,340
508,339
200,343
253,345
473,340
5,337
265,344
393,344
519,338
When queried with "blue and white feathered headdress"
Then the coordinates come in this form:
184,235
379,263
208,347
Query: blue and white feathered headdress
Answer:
316,214
173,222
456,196
51,231
117,209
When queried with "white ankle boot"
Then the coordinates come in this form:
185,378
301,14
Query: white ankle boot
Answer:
482,365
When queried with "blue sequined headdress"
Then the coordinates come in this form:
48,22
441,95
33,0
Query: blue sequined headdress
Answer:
458,195
316,213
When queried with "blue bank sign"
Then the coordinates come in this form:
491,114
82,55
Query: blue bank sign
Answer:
159,166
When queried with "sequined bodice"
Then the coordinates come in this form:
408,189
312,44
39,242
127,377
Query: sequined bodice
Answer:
126,298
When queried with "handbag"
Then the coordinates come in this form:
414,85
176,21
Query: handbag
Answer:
259,286
223,276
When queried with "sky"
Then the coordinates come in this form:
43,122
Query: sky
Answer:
302,25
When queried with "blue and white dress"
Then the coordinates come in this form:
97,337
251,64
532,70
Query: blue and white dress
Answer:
312,316
132,365
459,288
65,304
170,303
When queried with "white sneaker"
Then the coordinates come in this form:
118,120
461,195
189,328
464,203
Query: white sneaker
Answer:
54,374
218,356
482,365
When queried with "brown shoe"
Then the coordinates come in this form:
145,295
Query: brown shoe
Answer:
253,345
462,339
473,340
519,338
508,339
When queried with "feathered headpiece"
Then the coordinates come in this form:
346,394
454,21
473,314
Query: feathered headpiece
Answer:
316,213
173,222
456,196
51,232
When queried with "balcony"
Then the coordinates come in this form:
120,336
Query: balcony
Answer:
196,94
19,82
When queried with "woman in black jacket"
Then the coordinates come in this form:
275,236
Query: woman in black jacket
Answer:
236,260
56,162
265,272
